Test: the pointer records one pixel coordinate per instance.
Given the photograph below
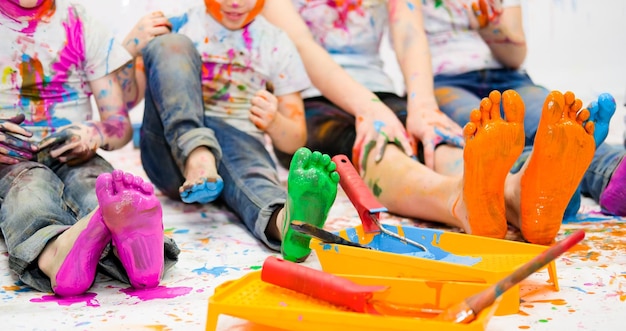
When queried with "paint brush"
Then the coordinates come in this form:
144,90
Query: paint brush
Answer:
466,311
323,235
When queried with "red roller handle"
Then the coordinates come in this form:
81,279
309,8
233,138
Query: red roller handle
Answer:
318,284
359,194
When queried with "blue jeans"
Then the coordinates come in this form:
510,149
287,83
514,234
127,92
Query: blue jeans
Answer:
458,95
39,202
174,124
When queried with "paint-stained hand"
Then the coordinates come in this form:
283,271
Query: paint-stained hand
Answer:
376,128
432,127
264,110
484,13
148,27
73,144
14,149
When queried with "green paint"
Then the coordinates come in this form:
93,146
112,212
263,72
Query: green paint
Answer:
376,189
368,148
438,3
255,267
376,100
543,321
312,189
241,87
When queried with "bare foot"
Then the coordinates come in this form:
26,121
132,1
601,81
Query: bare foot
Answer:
134,216
563,149
70,260
202,183
491,147
312,188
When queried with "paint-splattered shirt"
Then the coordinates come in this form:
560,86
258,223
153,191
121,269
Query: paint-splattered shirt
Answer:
351,31
454,47
238,63
47,65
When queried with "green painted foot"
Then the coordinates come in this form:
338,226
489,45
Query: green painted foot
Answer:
312,188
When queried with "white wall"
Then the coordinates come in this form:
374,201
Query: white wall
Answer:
573,45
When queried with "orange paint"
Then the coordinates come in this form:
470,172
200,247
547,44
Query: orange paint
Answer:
214,8
523,327
556,302
492,146
523,313
11,288
562,152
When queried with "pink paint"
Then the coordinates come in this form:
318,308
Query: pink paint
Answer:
159,292
87,298
135,218
79,267
33,15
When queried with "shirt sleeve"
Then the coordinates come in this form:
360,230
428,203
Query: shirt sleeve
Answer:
103,53
289,75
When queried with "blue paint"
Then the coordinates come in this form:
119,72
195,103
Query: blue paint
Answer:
411,6
378,125
178,22
215,271
427,237
458,141
578,289
182,231
582,218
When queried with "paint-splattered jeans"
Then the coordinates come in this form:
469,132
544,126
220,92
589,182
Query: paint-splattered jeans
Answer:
174,124
39,202
458,95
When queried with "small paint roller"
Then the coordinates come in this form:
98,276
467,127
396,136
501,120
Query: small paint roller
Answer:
337,290
364,201
466,311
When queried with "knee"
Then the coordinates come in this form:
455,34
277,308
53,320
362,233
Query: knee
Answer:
33,174
166,46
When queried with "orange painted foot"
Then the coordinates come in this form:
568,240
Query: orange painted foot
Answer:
492,145
563,150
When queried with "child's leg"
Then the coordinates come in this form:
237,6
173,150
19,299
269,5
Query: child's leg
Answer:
174,113
539,193
408,188
39,230
312,188
133,215
600,112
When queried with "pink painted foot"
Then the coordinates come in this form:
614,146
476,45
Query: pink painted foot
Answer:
134,216
79,267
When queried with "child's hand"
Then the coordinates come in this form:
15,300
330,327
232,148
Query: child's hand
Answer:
484,13
148,27
13,149
73,144
264,109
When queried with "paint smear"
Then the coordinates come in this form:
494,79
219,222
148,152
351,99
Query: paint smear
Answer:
215,271
386,243
159,292
88,299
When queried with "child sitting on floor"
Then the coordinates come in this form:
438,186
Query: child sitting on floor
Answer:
60,205
216,86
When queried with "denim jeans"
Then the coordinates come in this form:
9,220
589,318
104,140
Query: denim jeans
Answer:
39,202
174,124
458,95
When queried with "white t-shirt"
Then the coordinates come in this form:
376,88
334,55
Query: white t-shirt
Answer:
454,48
47,66
351,32
238,63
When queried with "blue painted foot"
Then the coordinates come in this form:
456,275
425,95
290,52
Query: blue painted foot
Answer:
203,193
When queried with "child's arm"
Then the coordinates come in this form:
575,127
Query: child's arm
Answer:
80,141
335,83
132,76
282,118
425,121
502,30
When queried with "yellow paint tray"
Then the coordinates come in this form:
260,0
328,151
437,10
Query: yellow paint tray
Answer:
252,299
458,257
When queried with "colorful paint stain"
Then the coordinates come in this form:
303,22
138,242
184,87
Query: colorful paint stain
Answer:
88,299
215,271
159,292
386,243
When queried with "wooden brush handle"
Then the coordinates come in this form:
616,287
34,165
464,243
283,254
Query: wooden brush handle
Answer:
486,298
